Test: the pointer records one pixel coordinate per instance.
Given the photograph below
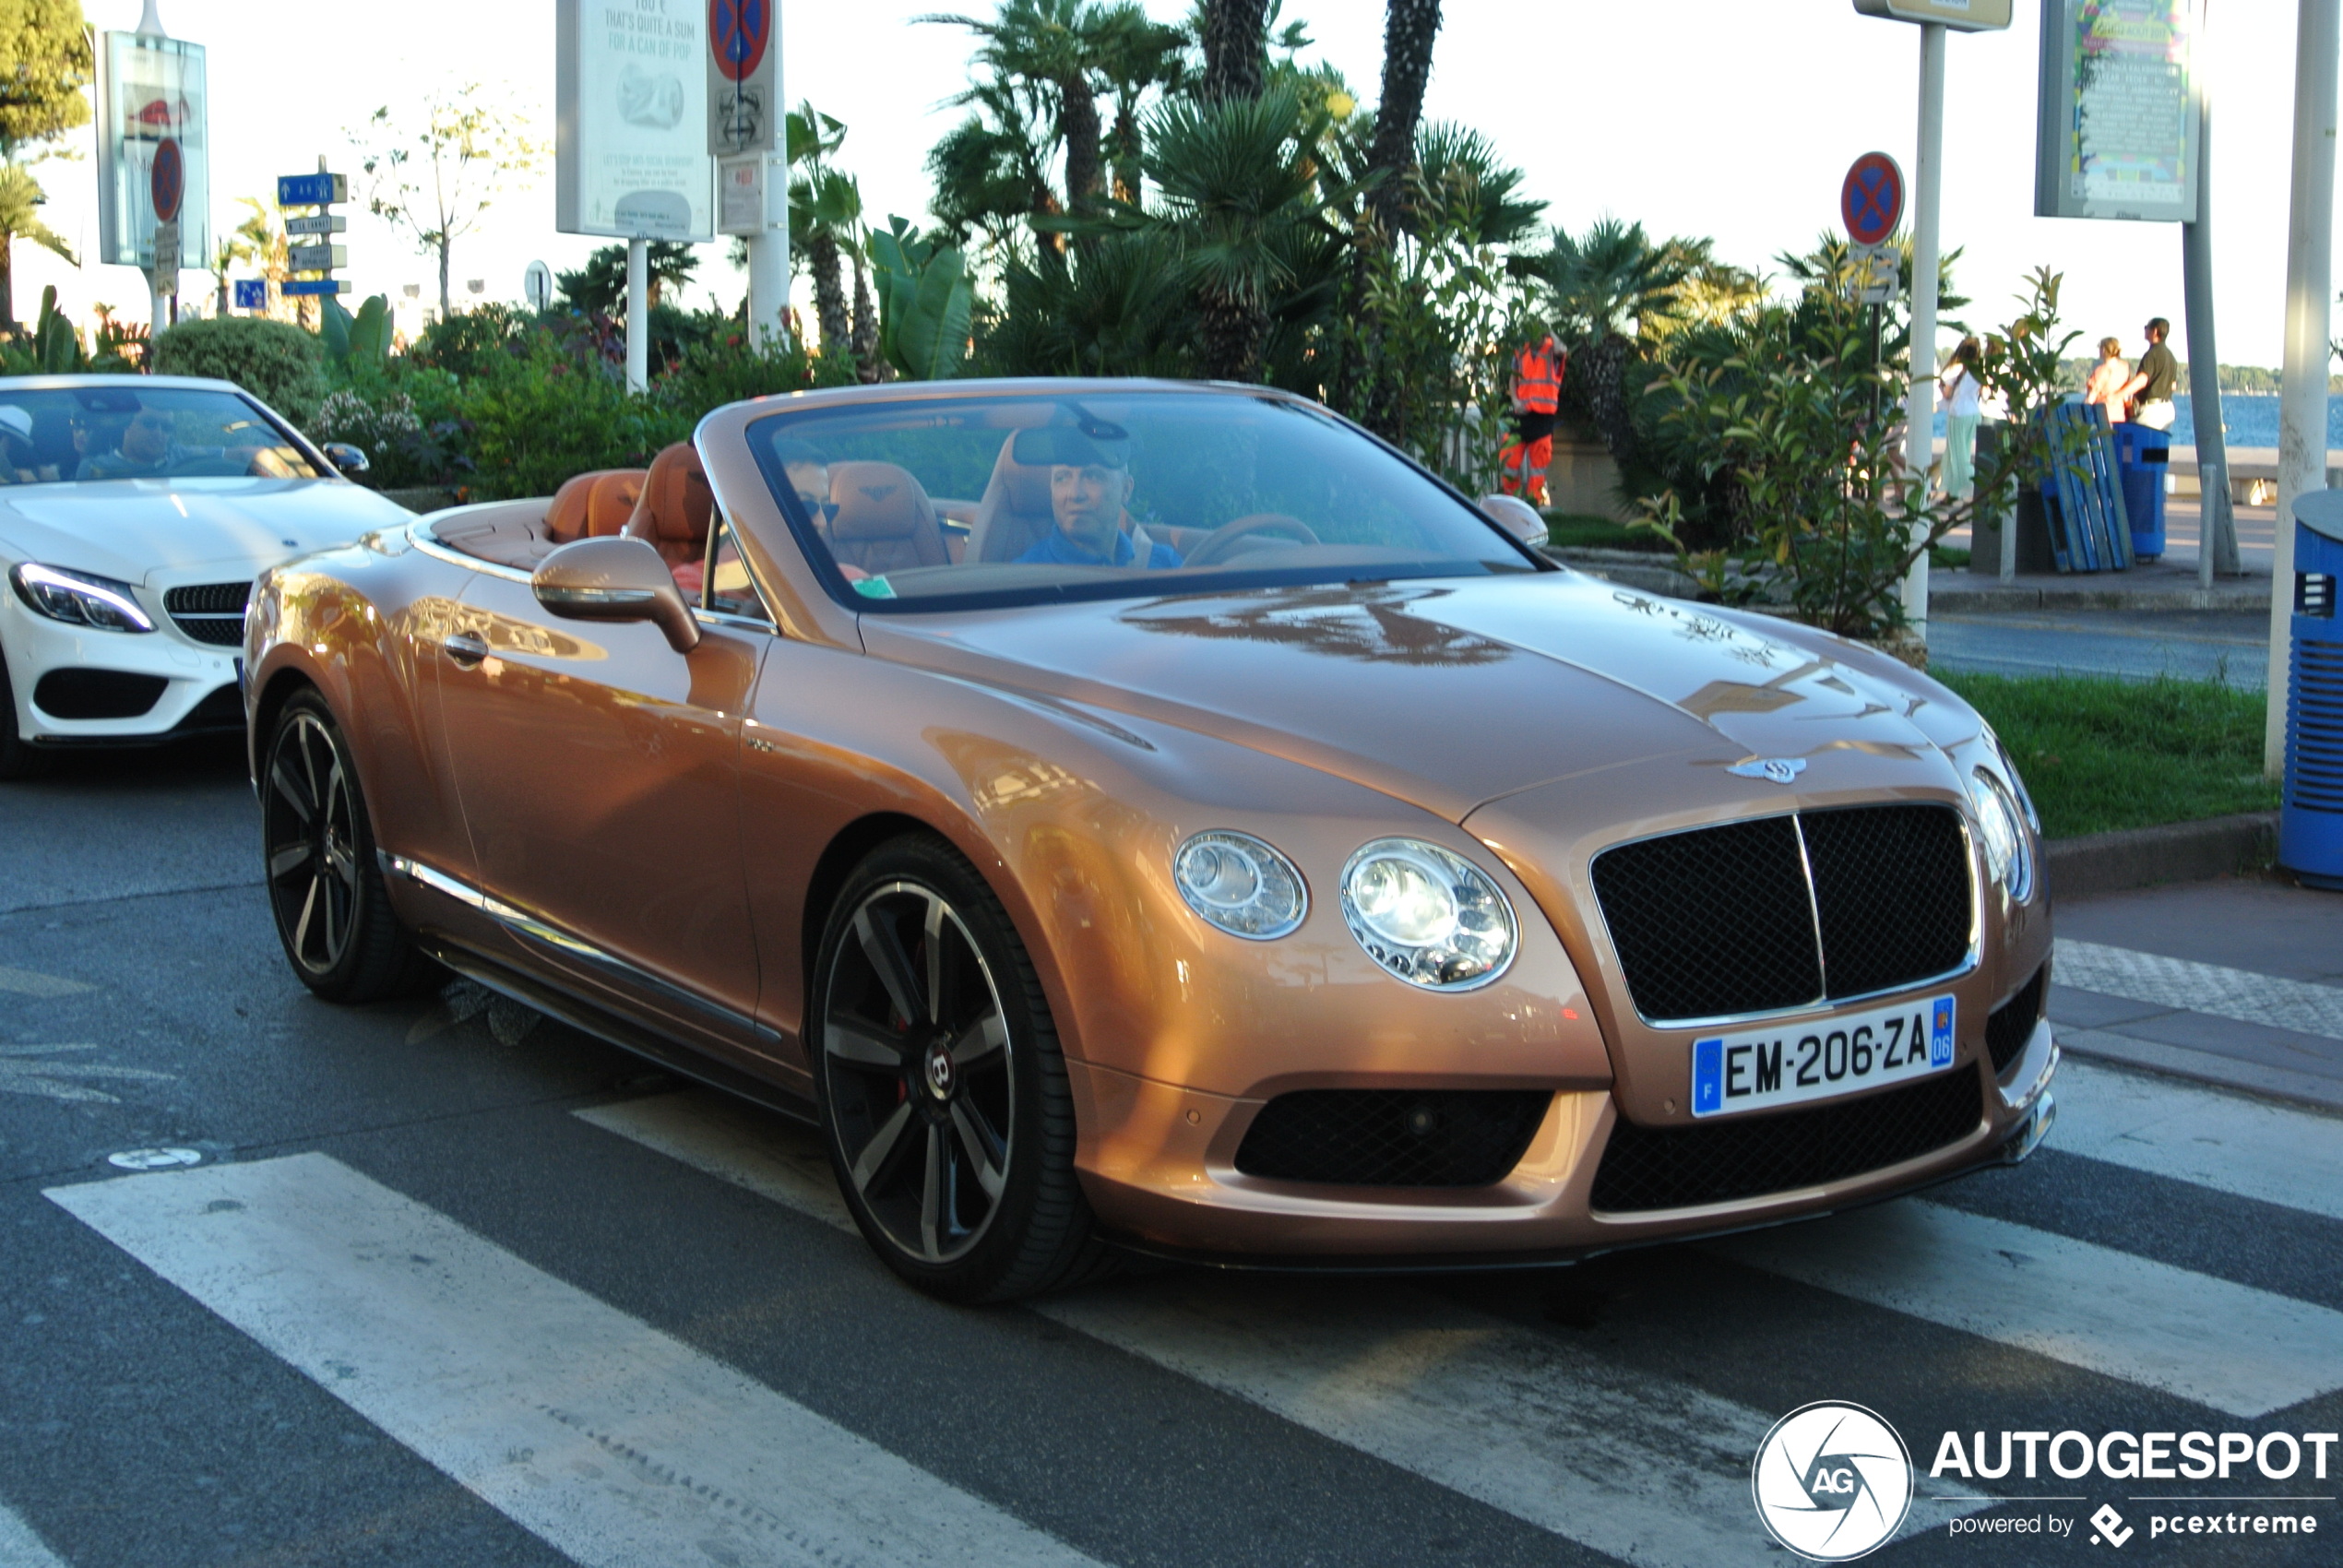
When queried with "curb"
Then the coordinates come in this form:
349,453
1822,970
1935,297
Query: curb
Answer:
2239,598
2177,851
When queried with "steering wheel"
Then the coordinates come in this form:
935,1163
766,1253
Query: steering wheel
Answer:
1223,541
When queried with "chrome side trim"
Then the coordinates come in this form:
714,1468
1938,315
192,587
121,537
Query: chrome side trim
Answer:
556,941
1813,905
431,545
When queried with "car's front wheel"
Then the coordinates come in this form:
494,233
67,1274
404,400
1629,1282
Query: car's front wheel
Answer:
333,914
942,1094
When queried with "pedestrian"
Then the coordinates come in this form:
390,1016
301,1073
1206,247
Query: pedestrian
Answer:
2152,385
2106,380
1961,391
1537,399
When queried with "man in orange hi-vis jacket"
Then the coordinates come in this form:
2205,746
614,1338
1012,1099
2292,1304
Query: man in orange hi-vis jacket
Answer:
1536,393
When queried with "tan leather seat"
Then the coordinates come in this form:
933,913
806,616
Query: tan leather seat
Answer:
593,504
675,507
884,521
1015,512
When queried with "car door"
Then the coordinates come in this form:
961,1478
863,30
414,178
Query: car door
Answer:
599,772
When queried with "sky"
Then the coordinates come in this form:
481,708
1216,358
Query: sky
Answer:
1701,117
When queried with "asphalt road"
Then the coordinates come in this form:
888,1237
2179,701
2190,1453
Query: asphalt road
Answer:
452,1284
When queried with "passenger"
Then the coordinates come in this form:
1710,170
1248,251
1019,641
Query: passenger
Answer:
17,463
151,448
1091,484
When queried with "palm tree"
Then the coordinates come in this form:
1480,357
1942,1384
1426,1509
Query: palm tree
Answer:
1053,48
989,170
1233,33
20,199
1136,56
1460,169
1409,28
1604,290
1237,183
824,218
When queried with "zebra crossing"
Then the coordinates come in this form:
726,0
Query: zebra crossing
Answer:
614,1441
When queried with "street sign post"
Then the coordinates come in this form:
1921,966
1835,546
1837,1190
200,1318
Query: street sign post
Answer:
747,136
151,97
1870,199
319,190
167,182
537,285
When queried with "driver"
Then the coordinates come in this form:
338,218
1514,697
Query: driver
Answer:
1090,484
148,447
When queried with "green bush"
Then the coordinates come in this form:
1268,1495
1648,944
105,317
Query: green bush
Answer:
280,365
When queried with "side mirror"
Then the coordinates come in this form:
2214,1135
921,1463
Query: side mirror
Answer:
1517,517
347,459
614,578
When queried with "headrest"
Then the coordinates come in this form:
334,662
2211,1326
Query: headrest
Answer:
676,503
570,515
1025,488
611,503
875,501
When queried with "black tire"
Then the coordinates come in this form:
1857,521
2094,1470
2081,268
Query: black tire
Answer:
949,1121
18,759
317,852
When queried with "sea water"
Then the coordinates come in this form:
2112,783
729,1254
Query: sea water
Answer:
2249,418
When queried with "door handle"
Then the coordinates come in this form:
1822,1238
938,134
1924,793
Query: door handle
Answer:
464,649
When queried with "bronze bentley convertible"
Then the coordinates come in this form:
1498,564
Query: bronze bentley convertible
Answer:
1131,816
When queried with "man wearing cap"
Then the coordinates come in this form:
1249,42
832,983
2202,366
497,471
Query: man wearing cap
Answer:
1089,486
149,447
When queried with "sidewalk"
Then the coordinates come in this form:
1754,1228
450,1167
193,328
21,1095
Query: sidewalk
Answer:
2236,982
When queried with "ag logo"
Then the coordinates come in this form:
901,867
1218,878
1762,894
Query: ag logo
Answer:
1832,1481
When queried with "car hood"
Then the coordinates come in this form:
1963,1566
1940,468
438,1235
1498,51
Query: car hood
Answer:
142,531
1452,694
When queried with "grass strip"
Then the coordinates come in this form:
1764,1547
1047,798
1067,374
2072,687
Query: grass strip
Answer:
2100,753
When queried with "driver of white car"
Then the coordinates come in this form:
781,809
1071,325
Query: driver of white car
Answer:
150,446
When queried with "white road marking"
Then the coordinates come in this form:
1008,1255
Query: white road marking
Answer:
19,1547
617,1445
2227,1142
2232,1346
30,983
2201,988
30,1069
1644,1468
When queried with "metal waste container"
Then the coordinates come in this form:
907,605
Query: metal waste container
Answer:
2143,457
2310,832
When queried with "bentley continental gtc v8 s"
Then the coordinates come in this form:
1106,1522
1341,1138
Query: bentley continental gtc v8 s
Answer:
135,512
1139,816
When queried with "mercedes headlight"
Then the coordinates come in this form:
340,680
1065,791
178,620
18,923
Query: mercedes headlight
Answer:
1241,884
79,598
1432,918
2009,847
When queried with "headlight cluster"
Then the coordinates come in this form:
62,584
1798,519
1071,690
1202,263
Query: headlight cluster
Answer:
1428,916
2008,843
79,598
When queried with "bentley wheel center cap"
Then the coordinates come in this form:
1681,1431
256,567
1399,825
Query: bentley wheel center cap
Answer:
939,1071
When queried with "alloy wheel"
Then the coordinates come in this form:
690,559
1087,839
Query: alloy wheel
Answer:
312,837
918,1072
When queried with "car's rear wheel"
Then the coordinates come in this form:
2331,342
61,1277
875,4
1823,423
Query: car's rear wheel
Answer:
333,914
942,1093
18,759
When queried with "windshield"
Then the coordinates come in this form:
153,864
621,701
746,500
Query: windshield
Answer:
82,434
976,502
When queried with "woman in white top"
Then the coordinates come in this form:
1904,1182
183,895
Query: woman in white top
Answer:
2106,380
1961,388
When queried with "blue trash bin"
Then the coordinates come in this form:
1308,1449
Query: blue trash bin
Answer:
2143,457
2310,831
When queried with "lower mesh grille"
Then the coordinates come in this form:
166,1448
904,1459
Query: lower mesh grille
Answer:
210,612
1393,1137
2011,1025
1654,1168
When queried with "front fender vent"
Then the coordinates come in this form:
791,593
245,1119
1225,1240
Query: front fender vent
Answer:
1393,1137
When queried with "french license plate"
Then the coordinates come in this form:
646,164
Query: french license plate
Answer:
1754,1069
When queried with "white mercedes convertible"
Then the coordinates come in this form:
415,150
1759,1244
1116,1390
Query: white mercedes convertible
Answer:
135,512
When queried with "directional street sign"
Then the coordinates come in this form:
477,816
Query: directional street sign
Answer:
252,293
329,223
317,258
315,286
311,190
1871,200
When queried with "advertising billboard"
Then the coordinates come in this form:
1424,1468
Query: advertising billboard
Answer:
151,109
630,141
2117,132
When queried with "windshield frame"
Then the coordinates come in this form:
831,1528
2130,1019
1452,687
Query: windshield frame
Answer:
310,452
764,448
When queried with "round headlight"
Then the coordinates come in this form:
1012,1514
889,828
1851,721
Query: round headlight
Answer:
1432,918
2009,850
1241,884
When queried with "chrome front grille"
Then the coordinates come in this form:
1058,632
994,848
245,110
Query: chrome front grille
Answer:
210,612
1805,909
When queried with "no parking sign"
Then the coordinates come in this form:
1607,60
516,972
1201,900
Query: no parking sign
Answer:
744,77
1870,199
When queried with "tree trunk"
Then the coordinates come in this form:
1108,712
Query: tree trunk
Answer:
444,308
1409,26
1604,364
829,293
1234,331
1125,142
1085,174
870,365
8,283
1235,52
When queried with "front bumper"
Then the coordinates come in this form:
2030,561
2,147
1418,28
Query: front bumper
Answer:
198,694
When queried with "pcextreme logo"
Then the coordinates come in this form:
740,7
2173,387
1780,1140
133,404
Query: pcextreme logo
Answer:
1832,1481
